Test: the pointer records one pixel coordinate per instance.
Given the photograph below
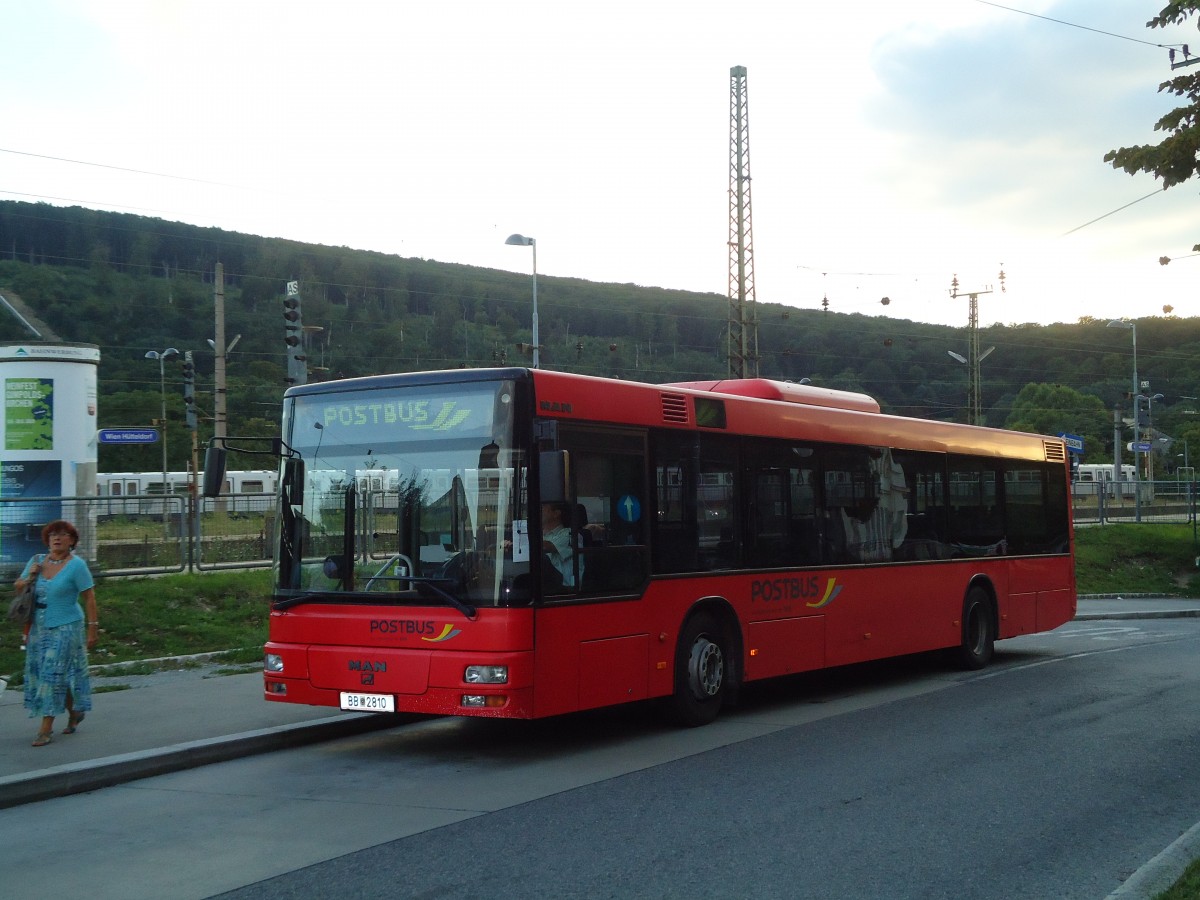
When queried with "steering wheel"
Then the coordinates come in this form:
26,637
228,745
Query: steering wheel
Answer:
461,570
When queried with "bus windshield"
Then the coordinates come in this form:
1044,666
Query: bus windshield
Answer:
409,494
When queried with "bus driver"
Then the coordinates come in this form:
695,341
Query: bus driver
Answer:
557,541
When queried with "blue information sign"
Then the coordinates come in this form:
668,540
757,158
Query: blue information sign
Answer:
1073,441
629,508
127,435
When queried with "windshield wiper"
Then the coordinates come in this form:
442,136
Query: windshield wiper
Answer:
316,596
310,597
465,608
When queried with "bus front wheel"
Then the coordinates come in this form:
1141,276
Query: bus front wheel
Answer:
978,630
701,671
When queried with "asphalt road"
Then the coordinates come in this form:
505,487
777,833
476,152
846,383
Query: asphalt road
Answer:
1056,773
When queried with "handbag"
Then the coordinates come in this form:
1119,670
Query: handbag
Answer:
20,610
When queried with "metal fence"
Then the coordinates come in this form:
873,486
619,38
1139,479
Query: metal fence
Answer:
168,534
1166,502
148,536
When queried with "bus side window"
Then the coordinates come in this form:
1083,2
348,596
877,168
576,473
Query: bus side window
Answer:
976,520
781,527
925,534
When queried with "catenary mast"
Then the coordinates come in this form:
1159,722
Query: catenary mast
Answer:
743,313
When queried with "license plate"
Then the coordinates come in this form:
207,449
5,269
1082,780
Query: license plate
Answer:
368,702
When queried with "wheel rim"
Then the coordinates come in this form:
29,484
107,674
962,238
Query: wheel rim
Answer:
706,669
976,631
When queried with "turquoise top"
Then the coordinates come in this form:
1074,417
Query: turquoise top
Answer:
60,594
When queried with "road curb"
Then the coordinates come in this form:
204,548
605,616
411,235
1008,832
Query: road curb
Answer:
90,775
1163,871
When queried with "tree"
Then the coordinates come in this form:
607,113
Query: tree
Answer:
1054,408
1174,159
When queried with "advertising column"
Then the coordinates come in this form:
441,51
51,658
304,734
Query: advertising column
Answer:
47,444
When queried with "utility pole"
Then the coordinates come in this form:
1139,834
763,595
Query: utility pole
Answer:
974,357
189,405
1117,423
743,314
220,428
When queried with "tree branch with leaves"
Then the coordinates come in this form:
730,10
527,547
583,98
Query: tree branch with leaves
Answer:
1176,158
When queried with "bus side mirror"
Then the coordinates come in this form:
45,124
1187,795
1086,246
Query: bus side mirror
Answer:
292,485
554,480
214,470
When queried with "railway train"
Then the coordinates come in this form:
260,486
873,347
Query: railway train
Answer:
1094,478
140,493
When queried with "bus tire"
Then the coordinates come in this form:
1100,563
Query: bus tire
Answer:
978,630
702,671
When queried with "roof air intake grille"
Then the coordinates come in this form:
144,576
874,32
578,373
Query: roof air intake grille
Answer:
1055,452
675,408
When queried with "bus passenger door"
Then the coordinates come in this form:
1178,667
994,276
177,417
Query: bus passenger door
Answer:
593,645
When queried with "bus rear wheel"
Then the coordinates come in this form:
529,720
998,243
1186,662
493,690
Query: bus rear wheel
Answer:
701,671
978,630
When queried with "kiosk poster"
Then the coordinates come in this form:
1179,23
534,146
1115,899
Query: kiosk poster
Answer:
29,414
21,523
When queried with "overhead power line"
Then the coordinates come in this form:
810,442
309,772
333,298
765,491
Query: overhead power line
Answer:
81,162
1117,210
1120,37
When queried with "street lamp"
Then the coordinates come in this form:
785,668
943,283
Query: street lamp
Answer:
162,393
974,407
521,240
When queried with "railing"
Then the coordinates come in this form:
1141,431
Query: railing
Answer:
176,534
165,534
1163,502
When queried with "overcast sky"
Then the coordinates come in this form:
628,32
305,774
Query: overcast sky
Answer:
893,143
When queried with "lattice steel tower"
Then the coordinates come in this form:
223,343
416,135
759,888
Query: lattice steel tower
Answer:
743,313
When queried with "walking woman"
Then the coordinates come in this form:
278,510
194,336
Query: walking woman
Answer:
56,664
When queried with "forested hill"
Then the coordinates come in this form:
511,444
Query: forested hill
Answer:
130,284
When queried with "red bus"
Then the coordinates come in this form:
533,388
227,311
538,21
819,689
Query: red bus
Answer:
526,543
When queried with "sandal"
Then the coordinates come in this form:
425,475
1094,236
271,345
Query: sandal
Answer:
73,722
43,738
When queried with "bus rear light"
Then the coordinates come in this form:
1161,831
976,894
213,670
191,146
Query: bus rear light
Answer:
484,701
273,662
274,687
486,675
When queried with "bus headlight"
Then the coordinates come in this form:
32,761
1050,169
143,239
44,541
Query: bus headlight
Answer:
486,675
273,662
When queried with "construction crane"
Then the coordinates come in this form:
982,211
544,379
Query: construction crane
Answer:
743,313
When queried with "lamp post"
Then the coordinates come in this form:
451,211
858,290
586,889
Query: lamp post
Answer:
521,240
162,357
1137,432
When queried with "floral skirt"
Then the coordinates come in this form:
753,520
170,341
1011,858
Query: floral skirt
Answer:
56,665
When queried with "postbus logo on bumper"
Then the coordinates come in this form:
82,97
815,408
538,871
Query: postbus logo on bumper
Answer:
426,631
778,590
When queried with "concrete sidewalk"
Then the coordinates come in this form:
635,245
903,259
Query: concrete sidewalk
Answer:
145,725
190,717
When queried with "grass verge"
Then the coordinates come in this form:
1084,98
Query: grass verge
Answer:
176,615
1187,887
1143,559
